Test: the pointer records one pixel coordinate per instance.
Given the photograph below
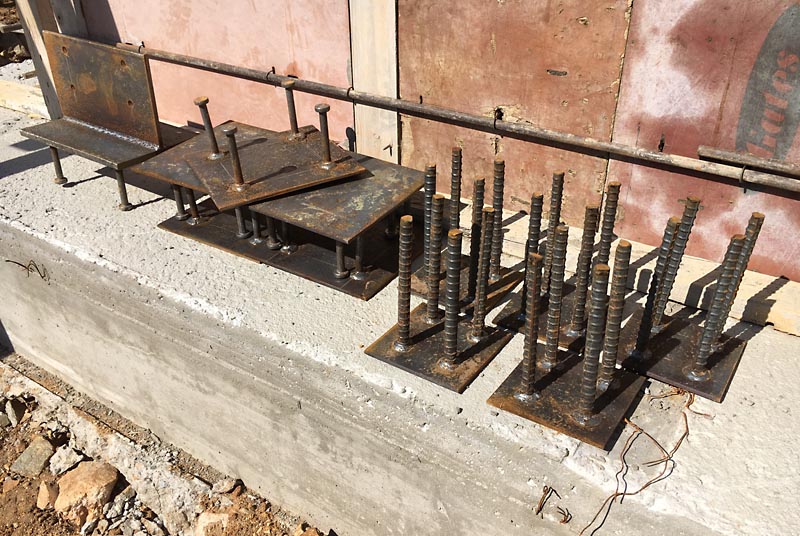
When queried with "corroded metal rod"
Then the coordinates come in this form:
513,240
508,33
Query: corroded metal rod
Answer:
202,103
559,239
582,271
406,240
478,331
594,342
532,246
554,220
288,86
59,178
475,236
241,227
429,189
616,306
667,244
607,228
180,213
272,235
455,189
497,228
452,287
238,177
433,314
533,279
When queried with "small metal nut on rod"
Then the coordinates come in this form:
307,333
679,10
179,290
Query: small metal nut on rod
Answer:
533,280
322,110
667,243
585,415
403,342
455,189
433,314
59,178
715,319
478,186
616,306
531,245
288,86
341,268
202,103
497,228
607,228
242,231
451,305
554,220
238,177
478,330
180,213
430,189
559,240
583,270
272,235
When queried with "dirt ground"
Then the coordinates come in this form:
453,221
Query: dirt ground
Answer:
8,12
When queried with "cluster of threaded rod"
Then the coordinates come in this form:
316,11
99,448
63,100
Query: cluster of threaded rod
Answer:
556,194
664,251
478,187
479,310
451,290
404,284
435,259
455,189
616,305
582,270
532,243
497,229
609,217
646,324
559,238
594,340
430,190
533,279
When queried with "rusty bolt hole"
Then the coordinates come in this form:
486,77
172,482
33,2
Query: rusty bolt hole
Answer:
72,87
122,63
64,50
130,102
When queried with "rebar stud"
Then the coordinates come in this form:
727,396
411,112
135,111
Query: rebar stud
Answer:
667,243
531,246
288,86
533,280
255,221
554,220
478,186
455,189
180,213
241,227
585,416
403,342
559,239
322,110
583,270
124,204
59,178
616,306
238,177
715,318
478,330
451,306
675,257
433,314
429,189
272,235
359,272
607,228
341,268
194,212
287,246
497,228
202,103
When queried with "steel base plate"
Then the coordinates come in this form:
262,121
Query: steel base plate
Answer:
424,356
559,391
272,165
495,292
670,352
315,258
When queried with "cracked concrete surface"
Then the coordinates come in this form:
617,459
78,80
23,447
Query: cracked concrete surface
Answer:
262,375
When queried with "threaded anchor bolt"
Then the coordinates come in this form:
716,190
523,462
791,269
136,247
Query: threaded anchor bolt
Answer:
616,306
433,314
607,228
497,229
531,246
455,189
478,331
403,342
429,189
451,306
554,220
556,290
585,416
582,271
533,279
478,186
667,243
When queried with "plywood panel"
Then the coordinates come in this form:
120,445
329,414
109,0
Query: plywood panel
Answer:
297,37
553,64
688,67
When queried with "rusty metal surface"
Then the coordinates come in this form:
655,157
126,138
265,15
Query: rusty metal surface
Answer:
104,86
272,165
171,165
427,348
670,352
559,390
343,210
315,258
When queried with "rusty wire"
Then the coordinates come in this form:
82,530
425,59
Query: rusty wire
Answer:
32,267
547,492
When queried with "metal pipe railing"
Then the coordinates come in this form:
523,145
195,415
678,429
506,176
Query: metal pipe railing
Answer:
521,131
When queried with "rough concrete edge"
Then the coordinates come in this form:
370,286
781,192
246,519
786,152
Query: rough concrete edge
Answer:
23,98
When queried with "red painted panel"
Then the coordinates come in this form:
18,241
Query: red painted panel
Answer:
554,64
305,38
687,70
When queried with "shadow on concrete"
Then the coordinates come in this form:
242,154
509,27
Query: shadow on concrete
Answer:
6,348
30,160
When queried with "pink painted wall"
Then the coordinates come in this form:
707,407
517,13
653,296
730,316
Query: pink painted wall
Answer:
306,38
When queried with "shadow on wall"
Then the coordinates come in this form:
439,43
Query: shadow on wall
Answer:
100,23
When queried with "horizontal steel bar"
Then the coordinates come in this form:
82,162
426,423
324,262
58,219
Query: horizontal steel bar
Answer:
769,164
525,132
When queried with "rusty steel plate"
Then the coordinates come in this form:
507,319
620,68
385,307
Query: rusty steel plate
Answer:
104,86
272,165
495,292
343,210
315,258
671,351
559,395
171,166
427,344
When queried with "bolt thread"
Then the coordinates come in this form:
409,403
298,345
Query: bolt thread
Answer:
532,243
675,257
497,229
582,271
616,307
435,258
479,310
430,190
715,318
554,220
607,228
455,189
667,243
556,288
475,236
404,283
533,280
452,286
594,339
